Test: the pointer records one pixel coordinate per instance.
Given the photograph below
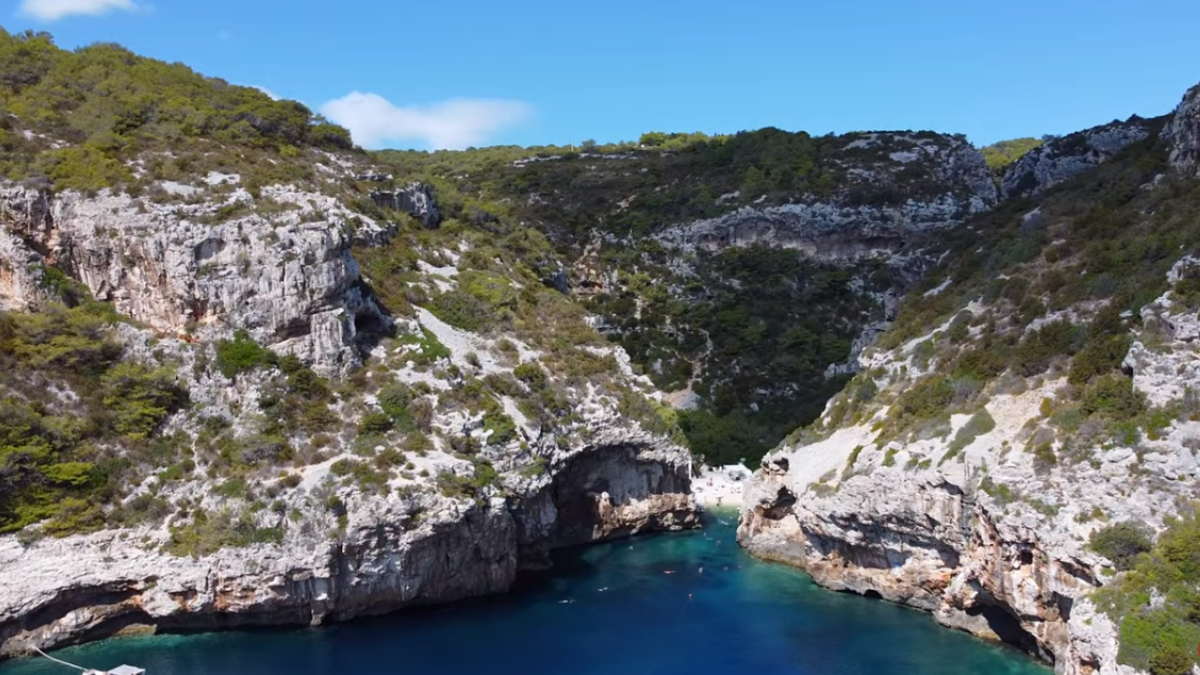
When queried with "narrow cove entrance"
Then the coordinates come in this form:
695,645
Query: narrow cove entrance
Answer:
678,604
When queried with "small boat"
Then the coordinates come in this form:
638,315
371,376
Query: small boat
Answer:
119,670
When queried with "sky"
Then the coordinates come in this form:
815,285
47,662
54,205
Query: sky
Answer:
459,73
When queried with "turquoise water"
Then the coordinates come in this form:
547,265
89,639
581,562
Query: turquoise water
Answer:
609,609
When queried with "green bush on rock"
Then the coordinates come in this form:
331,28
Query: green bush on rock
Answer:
1159,636
1121,543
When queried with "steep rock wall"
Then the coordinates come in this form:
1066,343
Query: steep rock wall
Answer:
392,552
956,184
288,278
986,536
1062,159
1183,133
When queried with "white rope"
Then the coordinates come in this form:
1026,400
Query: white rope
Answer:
69,665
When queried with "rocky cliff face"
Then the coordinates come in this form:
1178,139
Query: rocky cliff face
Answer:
987,537
898,186
1062,159
971,491
482,477
1182,132
388,553
210,266
414,199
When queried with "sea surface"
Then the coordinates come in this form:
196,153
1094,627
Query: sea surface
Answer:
677,604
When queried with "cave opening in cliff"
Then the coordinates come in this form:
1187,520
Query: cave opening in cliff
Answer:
1008,628
584,514
370,328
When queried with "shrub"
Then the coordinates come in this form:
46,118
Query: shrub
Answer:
928,398
1121,543
139,398
1098,357
960,328
242,354
483,476
427,349
207,534
889,457
1156,636
375,423
1113,396
501,426
1003,494
1057,338
849,470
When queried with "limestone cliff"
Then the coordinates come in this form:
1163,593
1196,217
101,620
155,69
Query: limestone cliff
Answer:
212,265
387,553
967,466
1061,159
897,185
429,475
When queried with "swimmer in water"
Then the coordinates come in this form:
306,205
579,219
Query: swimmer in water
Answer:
701,570
668,571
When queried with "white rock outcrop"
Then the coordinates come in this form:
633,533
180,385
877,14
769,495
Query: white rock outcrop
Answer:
279,266
987,536
217,265
1183,133
1064,158
842,228
356,555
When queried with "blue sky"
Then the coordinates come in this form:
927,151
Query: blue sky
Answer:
479,72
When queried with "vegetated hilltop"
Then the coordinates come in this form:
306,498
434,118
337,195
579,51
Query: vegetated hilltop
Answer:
1013,444
1003,154
247,379
742,273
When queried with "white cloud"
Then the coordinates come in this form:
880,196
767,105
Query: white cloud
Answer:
53,10
454,124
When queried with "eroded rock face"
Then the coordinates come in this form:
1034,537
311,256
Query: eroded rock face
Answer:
288,279
415,199
1062,159
923,540
392,552
985,535
852,225
1182,133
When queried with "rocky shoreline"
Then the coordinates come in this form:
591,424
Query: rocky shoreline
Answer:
393,553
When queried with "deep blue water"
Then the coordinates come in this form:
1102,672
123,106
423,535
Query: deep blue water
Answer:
605,610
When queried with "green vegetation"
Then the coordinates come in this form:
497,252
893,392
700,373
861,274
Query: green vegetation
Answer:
482,301
1121,543
850,461
1161,637
300,402
1000,156
61,459
757,320
1058,295
208,533
109,106
751,331
468,487
980,423
242,354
